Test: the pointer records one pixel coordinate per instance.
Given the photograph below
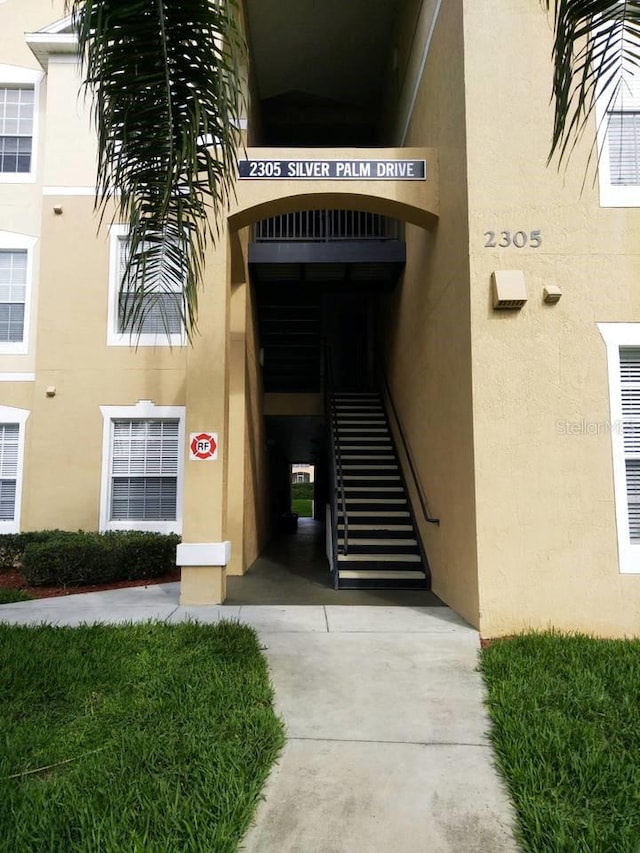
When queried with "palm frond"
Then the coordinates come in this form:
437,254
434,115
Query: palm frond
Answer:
596,52
165,81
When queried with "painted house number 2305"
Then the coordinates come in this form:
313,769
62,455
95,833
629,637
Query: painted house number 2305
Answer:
519,239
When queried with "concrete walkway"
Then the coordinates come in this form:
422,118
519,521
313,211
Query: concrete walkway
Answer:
386,747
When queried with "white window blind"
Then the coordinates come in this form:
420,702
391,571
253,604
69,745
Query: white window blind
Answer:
144,470
623,133
160,310
13,287
16,129
9,443
624,148
630,387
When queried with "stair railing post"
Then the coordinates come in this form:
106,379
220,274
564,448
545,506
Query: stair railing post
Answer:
337,476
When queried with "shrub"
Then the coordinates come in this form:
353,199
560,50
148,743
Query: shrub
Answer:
301,491
12,546
74,559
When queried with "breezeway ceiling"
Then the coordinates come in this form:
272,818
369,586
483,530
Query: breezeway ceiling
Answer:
319,67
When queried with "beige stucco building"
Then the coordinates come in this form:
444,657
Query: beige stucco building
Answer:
395,208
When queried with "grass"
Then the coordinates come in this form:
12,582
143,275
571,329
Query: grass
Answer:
302,506
134,738
566,733
9,596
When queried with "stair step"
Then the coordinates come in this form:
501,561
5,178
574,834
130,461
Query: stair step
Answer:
363,500
353,432
380,558
374,445
365,426
357,419
374,478
365,444
371,412
375,553
368,455
374,488
360,514
370,467
383,529
357,542
368,574
349,435
360,417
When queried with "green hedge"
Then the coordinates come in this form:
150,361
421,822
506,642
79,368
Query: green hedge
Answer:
12,546
301,491
61,558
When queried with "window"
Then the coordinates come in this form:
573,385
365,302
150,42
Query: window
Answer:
19,94
13,288
142,468
623,351
16,128
12,423
618,120
159,322
630,394
9,444
16,251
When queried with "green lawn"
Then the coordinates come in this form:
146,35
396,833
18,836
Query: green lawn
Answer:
144,738
566,732
9,596
302,506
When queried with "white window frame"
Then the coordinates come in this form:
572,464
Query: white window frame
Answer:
627,96
617,335
15,76
20,242
143,410
114,337
11,415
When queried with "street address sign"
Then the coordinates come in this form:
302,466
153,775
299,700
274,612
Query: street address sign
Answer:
333,170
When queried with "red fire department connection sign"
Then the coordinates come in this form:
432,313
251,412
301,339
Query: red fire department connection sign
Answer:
203,446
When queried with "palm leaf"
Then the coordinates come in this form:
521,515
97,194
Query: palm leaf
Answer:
596,52
164,78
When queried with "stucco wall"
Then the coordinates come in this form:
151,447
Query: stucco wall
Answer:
256,485
63,460
547,542
429,346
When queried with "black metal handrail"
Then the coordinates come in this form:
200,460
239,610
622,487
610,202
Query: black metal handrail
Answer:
336,462
405,444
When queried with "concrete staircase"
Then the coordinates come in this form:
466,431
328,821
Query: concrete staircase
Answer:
376,539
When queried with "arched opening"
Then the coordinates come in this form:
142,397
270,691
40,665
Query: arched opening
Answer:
317,275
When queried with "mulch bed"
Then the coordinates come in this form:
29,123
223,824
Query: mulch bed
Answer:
14,580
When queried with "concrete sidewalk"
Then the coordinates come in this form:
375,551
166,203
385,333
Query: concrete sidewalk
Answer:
386,747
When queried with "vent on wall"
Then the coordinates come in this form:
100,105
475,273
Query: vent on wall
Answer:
508,289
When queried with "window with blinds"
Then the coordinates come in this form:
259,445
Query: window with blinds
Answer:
159,313
9,446
144,470
13,288
630,392
617,115
624,147
16,129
